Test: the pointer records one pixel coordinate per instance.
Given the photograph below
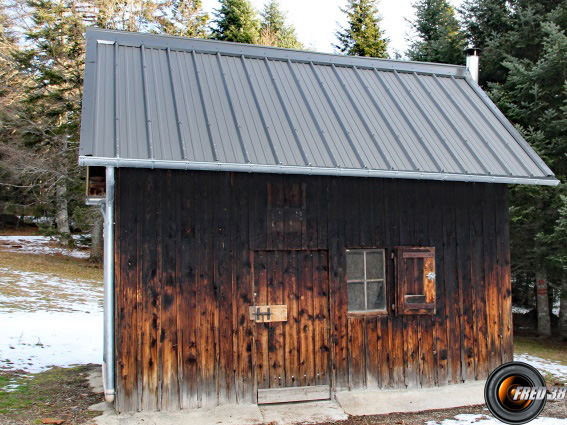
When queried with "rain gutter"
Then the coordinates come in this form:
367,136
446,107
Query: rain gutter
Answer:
326,171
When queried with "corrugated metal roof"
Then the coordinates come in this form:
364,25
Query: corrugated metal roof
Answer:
170,102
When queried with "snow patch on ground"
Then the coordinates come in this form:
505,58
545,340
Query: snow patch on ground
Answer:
551,367
520,310
39,245
465,419
48,321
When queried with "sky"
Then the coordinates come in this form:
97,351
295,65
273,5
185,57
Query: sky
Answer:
316,20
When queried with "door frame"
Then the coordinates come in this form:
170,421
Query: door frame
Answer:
331,387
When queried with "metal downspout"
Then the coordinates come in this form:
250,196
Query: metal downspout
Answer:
108,355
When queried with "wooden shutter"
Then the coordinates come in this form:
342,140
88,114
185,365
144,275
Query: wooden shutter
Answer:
415,280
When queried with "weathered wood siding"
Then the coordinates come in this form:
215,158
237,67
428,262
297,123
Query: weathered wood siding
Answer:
183,280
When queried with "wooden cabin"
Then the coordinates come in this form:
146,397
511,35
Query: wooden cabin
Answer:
283,225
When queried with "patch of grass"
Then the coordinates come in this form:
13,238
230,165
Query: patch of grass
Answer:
60,265
62,393
548,349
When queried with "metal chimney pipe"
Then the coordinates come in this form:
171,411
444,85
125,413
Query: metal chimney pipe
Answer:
473,55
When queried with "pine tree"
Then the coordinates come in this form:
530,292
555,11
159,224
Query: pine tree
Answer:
439,38
236,21
274,31
362,35
182,18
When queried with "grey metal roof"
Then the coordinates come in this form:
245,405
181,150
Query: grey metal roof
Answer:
170,102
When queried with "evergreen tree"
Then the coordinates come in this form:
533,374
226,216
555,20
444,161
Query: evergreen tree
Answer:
439,38
274,31
183,18
236,21
362,35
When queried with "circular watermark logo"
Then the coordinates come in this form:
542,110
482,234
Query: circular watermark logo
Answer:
515,393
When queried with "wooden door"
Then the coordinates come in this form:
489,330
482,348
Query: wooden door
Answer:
292,355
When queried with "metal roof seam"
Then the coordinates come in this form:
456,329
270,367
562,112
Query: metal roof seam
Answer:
232,112
518,159
310,110
338,118
510,128
433,127
201,96
175,107
385,119
147,103
409,122
370,133
451,124
472,126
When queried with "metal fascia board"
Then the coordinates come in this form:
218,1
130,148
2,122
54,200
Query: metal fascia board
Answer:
162,41
322,171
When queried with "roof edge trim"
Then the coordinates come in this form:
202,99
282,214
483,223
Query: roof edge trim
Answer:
285,169
163,41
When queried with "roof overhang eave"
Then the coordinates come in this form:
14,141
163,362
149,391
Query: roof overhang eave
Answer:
321,171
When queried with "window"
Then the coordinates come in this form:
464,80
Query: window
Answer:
415,280
366,287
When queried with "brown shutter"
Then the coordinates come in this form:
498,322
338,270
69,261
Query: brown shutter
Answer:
415,280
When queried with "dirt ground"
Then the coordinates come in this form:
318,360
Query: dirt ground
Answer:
58,393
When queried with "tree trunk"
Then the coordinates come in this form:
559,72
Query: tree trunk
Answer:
563,309
543,317
97,249
62,215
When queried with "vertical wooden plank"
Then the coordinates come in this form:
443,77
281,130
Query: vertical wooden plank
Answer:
383,357
503,235
275,206
276,339
322,189
168,335
410,323
478,281
339,300
291,327
357,357
223,287
244,288
440,338
258,217
261,277
207,304
321,316
151,289
373,351
293,214
306,348
491,277
464,280
395,325
366,209
188,315
451,284
310,223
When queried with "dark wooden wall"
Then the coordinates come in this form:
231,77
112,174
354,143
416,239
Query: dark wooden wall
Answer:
183,287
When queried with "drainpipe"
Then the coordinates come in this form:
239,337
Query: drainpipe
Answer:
473,55
108,355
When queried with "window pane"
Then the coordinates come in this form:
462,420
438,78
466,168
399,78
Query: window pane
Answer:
375,265
355,265
376,296
355,296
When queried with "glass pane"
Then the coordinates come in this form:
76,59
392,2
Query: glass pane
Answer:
376,295
375,265
355,296
355,265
